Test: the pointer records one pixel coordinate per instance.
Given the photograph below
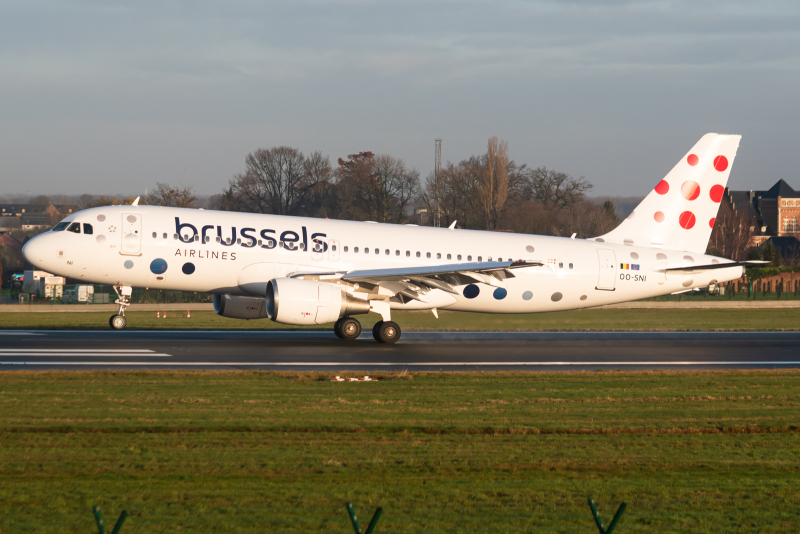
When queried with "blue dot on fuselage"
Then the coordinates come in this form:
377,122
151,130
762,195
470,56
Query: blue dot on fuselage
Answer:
158,266
188,268
471,291
500,293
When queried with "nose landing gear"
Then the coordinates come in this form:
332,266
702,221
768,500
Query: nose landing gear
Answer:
118,321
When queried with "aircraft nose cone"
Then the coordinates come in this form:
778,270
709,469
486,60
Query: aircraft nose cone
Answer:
35,251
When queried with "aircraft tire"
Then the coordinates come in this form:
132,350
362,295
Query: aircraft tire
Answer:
337,328
117,322
376,331
389,332
350,328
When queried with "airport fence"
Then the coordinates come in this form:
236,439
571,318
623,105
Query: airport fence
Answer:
351,512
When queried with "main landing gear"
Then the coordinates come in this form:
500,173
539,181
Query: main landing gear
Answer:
348,328
118,321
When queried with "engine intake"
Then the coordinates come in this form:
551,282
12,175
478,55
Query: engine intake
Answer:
237,307
306,302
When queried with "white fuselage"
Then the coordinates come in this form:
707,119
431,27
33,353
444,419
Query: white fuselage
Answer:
179,249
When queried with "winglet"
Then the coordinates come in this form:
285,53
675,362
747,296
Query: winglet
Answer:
452,226
136,202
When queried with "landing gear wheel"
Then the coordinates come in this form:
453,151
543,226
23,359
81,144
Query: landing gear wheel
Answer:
117,322
386,332
350,328
337,328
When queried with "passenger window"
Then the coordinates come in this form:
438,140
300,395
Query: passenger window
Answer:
438,255
239,241
428,255
458,257
570,266
333,248
489,258
196,237
418,254
259,242
480,258
449,256
155,235
345,248
396,252
469,258
87,229
378,251
74,228
302,246
499,259
175,236
387,251
218,239
355,249
165,236
560,265
408,253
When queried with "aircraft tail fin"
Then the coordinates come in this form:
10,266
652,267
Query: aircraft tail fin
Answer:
680,211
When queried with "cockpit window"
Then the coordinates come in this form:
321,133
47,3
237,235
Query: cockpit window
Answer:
87,229
75,228
60,226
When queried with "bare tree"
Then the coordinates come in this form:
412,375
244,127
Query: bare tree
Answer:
493,187
731,235
377,188
277,180
555,190
166,195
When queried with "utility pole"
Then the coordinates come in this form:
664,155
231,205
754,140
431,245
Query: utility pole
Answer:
436,170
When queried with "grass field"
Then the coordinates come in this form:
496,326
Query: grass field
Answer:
597,319
457,452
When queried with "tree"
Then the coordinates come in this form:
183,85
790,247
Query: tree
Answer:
493,188
555,190
40,203
376,188
278,180
730,237
166,195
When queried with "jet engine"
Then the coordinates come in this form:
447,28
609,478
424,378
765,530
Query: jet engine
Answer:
306,302
237,307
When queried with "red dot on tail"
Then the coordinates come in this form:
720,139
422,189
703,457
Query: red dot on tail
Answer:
662,188
692,160
711,222
690,190
687,220
720,163
716,193
659,216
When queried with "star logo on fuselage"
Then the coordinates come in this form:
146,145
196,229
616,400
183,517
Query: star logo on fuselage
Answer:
112,229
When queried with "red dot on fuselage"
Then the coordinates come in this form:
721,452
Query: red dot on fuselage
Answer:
720,163
716,193
687,220
711,222
662,188
659,216
692,160
690,190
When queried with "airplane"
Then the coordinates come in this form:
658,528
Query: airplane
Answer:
309,271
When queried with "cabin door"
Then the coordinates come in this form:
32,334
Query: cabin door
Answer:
608,269
131,234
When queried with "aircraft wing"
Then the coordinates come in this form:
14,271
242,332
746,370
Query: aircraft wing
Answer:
414,282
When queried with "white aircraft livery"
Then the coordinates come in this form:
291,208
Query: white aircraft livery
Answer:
306,271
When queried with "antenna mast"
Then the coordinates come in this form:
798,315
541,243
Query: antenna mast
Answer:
436,170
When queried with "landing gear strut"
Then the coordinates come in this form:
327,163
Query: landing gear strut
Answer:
347,328
386,332
118,321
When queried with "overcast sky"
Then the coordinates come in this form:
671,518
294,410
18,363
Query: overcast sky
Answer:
106,97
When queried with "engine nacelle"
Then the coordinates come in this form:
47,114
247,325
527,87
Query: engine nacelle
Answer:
306,302
237,307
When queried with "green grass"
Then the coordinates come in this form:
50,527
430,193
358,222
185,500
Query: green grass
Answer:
597,319
441,452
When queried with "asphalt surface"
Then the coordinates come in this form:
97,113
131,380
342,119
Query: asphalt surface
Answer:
416,350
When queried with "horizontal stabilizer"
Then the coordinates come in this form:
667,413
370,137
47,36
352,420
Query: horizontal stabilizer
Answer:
754,263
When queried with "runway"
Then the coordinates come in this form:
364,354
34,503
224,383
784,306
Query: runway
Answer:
451,351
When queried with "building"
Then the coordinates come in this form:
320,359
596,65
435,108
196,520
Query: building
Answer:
774,214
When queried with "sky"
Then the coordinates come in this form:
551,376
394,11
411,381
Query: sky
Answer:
111,97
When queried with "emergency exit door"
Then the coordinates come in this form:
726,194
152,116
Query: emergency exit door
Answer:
608,269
